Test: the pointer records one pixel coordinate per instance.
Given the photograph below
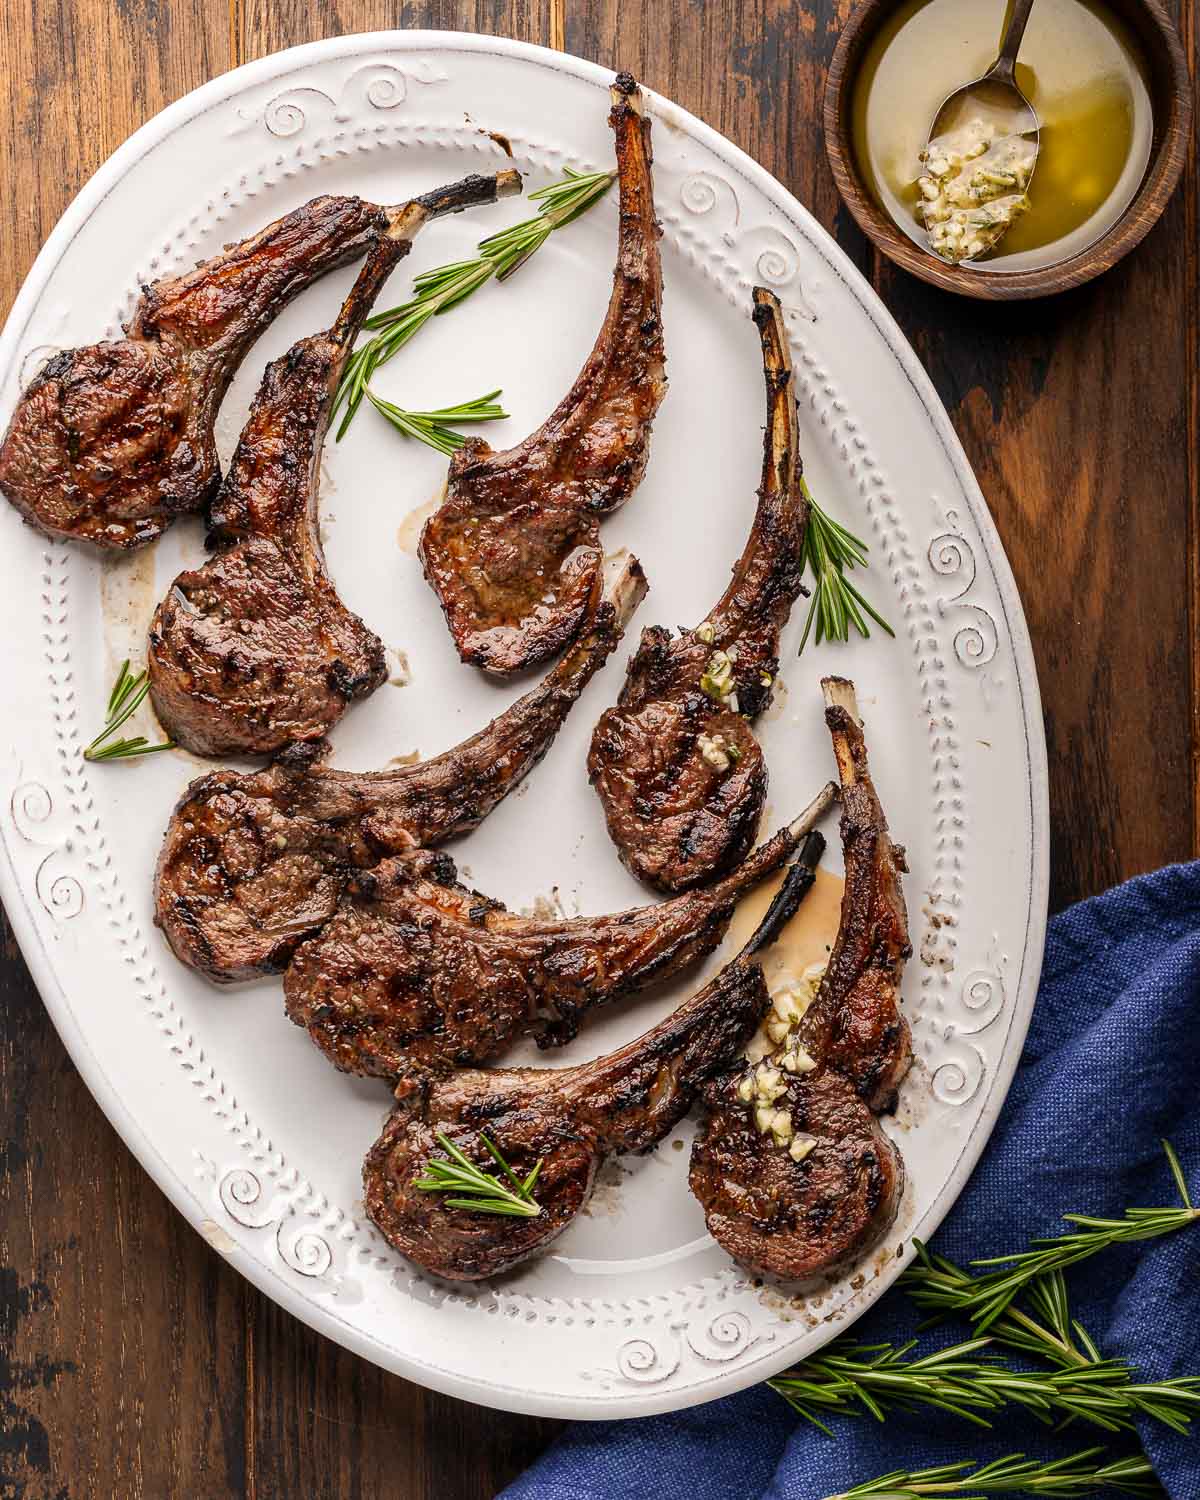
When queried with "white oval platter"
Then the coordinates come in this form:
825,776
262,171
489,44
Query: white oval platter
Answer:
256,1140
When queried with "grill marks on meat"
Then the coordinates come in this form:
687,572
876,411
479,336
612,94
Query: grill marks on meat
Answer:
514,552
417,972
109,443
676,814
252,864
570,1118
794,1219
254,650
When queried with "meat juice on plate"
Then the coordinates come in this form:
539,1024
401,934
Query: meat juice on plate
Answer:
1082,71
803,944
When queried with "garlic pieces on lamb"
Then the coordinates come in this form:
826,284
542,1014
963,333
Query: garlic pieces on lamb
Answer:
765,1083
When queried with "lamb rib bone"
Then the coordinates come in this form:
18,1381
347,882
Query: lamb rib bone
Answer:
417,972
254,650
514,552
678,769
109,443
828,1188
254,863
568,1118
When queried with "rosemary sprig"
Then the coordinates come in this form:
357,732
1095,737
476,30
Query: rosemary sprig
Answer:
847,1378
1075,1478
829,551
432,427
944,1288
439,290
123,702
481,1192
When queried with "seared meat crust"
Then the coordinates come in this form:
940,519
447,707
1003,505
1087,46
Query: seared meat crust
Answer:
514,551
676,814
254,650
109,443
569,1118
252,864
796,1218
415,971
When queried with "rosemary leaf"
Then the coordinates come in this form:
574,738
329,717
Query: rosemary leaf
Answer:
829,552
1075,1478
479,1191
438,290
431,427
128,693
944,1288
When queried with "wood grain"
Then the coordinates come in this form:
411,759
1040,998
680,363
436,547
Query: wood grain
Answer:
133,1361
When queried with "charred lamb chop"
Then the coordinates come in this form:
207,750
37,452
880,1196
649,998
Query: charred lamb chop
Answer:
417,972
514,553
569,1119
110,443
254,650
678,769
792,1169
253,864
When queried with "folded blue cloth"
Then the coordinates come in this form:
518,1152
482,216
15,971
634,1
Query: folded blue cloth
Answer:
1111,1066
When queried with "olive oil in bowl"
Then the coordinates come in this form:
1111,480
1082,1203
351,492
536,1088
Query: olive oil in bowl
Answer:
1080,68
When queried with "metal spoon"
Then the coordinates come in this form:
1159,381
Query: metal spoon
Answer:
994,97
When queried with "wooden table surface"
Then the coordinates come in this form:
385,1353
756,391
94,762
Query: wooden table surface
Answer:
133,1360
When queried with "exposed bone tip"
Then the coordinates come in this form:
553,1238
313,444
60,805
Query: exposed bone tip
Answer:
768,319
839,693
509,183
815,810
626,584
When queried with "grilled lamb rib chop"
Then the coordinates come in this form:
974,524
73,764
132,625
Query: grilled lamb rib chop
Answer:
795,1206
417,972
678,769
252,864
514,553
110,443
569,1118
254,650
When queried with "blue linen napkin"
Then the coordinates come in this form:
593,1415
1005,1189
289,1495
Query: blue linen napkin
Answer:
1111,1066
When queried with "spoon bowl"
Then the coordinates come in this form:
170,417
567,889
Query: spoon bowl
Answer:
999,103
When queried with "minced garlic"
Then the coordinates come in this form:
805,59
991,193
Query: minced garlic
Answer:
718,680
973,188
766,1081
797,1059
718,751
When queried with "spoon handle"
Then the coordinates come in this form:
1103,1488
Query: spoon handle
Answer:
1003,68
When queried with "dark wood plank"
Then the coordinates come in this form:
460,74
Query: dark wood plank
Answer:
133,1361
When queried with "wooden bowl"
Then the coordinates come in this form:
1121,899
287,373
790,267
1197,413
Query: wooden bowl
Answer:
1171,100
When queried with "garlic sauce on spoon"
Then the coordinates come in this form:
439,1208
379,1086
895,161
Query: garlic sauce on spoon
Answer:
981,152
